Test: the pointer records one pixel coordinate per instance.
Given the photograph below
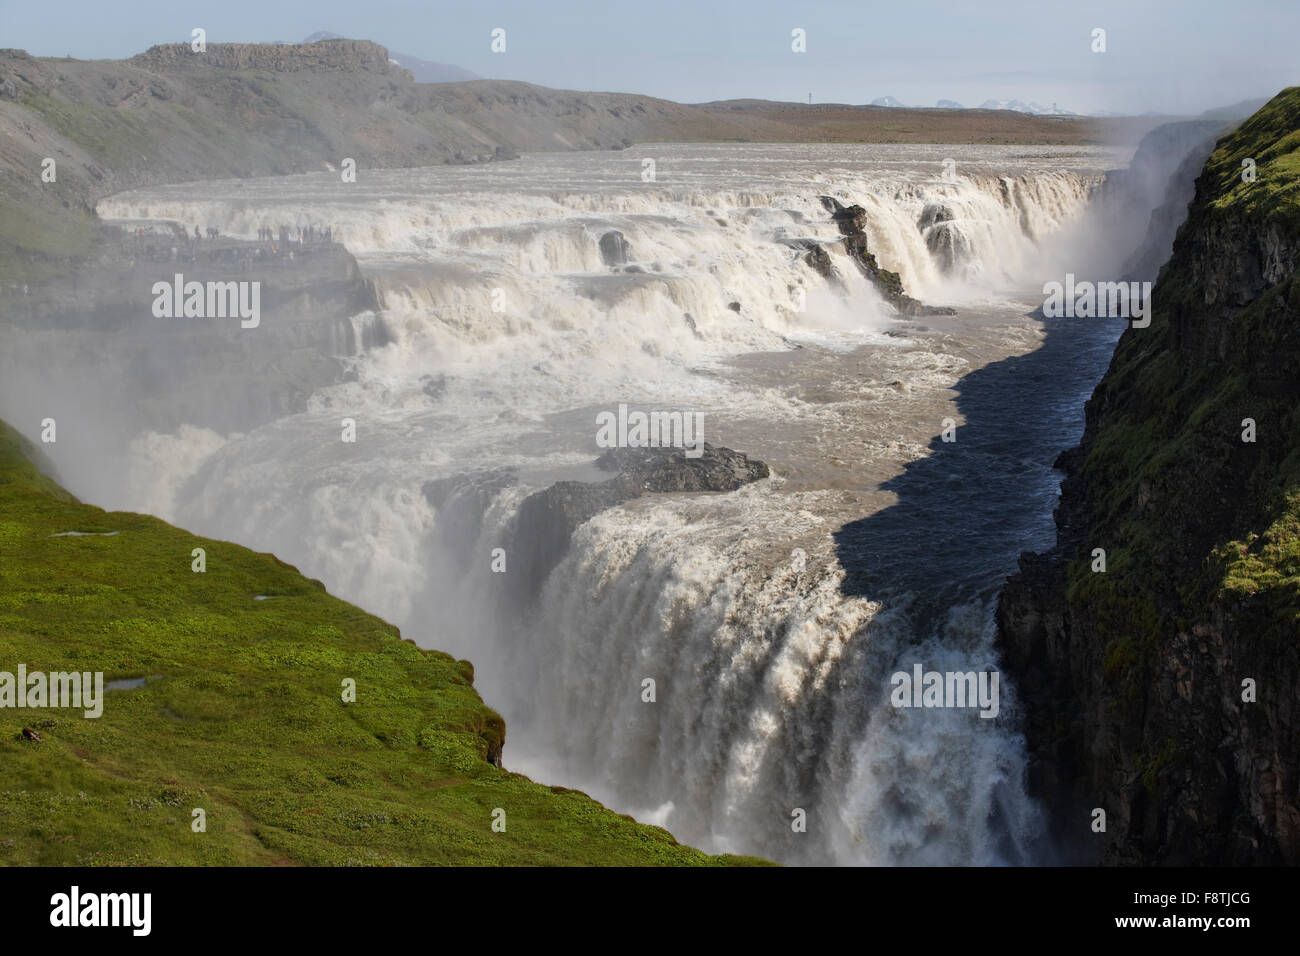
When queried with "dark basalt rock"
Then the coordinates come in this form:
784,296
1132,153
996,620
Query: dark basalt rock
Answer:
935,213
615,250
462,500
816,256
820,261
947,244
852,222
547,519
668,469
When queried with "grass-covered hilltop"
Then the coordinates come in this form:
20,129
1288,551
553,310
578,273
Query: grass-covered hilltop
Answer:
1165,689
241,714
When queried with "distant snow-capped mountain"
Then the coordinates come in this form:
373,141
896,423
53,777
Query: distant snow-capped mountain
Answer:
1020,106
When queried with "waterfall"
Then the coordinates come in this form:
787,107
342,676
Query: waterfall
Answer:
514,303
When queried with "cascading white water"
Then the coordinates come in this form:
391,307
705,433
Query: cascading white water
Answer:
507,330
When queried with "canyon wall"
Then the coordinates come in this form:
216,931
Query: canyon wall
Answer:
1165,689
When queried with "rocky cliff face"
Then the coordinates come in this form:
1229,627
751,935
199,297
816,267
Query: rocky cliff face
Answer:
97,325
1162,678
1166,165
348,56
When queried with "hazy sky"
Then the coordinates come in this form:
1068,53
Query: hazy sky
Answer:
1176,57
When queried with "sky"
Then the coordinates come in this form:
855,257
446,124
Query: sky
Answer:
1176,57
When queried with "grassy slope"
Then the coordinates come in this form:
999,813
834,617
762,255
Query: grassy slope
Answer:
246,719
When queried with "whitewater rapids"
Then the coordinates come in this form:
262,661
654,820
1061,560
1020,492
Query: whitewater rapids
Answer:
770,618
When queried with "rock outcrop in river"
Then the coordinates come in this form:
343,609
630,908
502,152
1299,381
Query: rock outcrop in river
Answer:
547,519
852,223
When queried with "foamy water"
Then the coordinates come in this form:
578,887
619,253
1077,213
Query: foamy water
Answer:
769,618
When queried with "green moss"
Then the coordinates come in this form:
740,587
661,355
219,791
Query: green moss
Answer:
1266,564
242,715
1151,767
1120,656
